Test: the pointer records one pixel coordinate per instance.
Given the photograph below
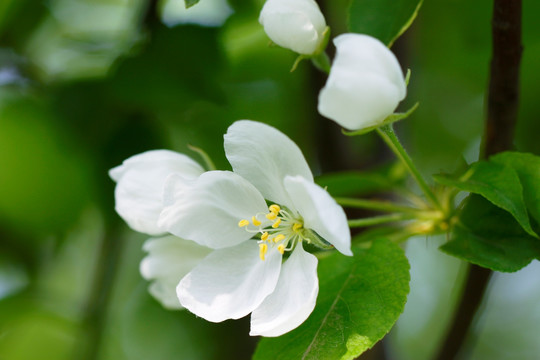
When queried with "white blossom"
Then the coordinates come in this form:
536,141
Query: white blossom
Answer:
139,188
169,259
294,24
227,211
365,84
139,201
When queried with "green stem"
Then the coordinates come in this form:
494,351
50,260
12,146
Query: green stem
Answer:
389,137
385,206
206,158
377,220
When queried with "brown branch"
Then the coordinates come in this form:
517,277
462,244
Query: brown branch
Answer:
151,14
476,283
502,111
503,97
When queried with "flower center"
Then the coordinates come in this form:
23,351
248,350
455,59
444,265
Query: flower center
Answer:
278,229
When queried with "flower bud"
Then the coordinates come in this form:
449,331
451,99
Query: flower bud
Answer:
205,13
365,84
294,24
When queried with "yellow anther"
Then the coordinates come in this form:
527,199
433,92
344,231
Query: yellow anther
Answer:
274,208
271,215
264,236
278,238
243,223
296,226
255,221
263,248
276,224
281,248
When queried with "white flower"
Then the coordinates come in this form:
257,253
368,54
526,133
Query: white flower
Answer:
139,188
294,24
204,13
227,211
365,84
169,259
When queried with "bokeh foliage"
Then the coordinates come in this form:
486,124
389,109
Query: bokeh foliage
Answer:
85,84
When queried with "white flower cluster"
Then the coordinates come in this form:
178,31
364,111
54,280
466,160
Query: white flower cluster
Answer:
232,242
365,84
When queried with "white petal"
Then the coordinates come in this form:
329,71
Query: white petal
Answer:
264,156
294,24
230,283
320,212
169,259
139,188
357,100
293,300
367,54
209,210
365,84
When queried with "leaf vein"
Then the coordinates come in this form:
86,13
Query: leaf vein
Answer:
338,296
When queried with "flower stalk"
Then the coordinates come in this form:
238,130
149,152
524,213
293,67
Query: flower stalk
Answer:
389,137
375,205
378,220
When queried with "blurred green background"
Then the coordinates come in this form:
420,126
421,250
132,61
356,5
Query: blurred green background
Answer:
84,84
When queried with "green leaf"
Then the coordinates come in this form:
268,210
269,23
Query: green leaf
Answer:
384,19
498,183
190,3
359,301
527,167
490,237
356,183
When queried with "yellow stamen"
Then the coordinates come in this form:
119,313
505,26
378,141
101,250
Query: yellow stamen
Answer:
296,226
271,215
274,208
263,248
264,236
276,224
278,238
281,248
243,223
255,221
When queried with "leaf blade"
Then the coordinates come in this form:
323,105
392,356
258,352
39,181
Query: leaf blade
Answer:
497,183
490,237
360,299
527,167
